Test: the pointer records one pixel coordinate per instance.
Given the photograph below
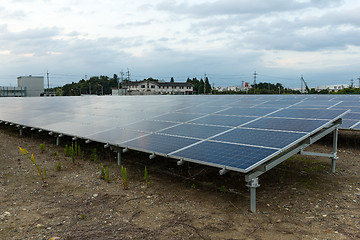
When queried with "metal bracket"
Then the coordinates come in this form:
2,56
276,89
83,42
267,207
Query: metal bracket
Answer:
74,138
180,162
152,156
223,171
253,184
125,150
106,145
87,141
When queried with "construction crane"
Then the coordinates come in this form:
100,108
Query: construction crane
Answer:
306,86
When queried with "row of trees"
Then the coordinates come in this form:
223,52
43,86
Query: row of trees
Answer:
102,85
200,86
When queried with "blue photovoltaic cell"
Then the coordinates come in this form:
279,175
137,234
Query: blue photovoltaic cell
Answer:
357,127
260,137
221,120
195,131
201,109
73,129
353,116
347,124
178,117
300,125
247,111
353,109
160,143
221,154
307,113
115,135
149,126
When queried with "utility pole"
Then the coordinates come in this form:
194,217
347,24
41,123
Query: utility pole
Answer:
128,74
301,80
47,76
89,84
255,81
352,83
359,81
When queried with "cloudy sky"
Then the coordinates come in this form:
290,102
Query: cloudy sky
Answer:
226,39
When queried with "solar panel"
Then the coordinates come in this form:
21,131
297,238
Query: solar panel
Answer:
307,113
149,126
247,111
222,120
275,139
299,125
161,144
194,130
222,154
228,133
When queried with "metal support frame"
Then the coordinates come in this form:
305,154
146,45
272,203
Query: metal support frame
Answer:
58,139
252,177
118,151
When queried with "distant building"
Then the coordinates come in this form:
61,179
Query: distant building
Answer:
34,85
13,91
335,87
153,87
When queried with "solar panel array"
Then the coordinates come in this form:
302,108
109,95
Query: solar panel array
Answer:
235,132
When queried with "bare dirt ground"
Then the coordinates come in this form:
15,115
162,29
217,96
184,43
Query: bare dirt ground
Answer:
299,199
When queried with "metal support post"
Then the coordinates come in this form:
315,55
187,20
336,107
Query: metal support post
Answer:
20,131
57,141
253,184
119,157
334,157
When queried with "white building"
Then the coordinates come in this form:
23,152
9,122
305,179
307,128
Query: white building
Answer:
335,87
152,87
34,85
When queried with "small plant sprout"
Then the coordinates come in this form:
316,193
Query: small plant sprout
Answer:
33,160
107,178
58,166
124,178
146,177
223,189
102,171
57,156
42,147
94,156
82,216
66,151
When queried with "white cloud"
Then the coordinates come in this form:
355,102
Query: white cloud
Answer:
179,38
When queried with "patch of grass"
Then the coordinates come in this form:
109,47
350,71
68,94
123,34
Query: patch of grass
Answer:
42,147
58,166
193,186
82,216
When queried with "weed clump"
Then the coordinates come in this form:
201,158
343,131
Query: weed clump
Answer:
42,174
124,177
42,147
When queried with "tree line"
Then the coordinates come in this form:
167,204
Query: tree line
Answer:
103,85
